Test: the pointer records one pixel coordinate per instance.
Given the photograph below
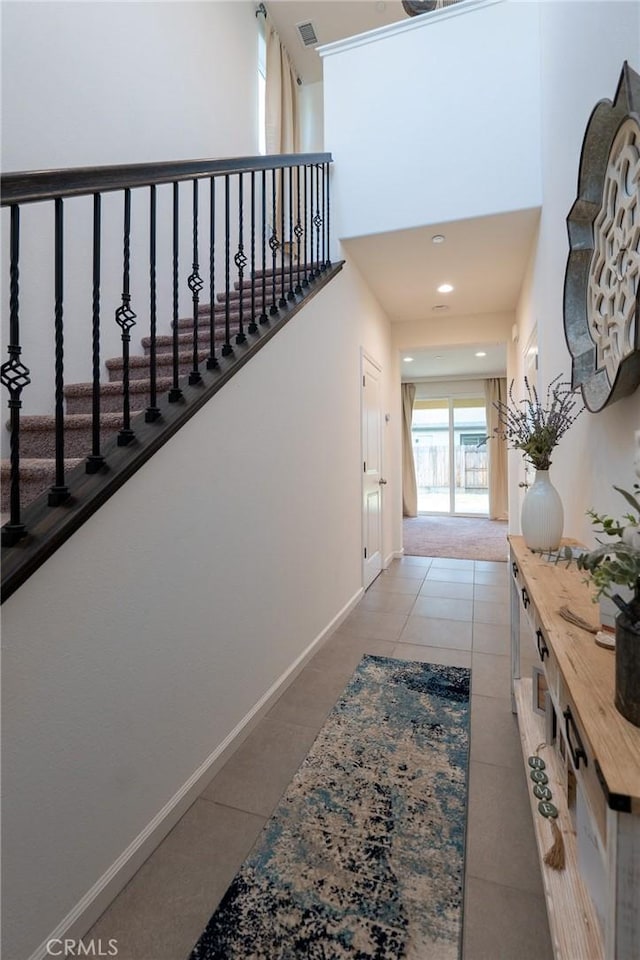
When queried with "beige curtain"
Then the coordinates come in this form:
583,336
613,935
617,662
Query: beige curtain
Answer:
495,389
281,90
409,488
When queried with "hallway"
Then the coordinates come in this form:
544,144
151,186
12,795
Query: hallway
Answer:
439,610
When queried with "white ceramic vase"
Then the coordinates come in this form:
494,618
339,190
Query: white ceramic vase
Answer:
542,517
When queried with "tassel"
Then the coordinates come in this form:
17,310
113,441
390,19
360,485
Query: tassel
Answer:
555,858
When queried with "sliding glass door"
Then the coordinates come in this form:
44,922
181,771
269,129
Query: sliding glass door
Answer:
450,455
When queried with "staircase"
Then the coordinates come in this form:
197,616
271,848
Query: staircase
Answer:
38,433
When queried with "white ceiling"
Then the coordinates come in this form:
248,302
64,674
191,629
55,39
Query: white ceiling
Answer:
451,363
333,20
484,259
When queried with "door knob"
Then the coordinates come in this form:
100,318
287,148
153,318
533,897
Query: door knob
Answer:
382,482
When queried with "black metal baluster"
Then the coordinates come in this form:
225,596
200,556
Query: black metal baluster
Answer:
195,284
253,326
126,318
298,230
226,348
274,243
153,411
14,376
175,393
95,461
212,361
282,302
317,220
328,216
263,314
290,294
59,492
323,265
240,259
305,276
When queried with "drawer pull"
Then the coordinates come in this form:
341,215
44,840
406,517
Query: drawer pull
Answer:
525,598
514,567
543,649
577,752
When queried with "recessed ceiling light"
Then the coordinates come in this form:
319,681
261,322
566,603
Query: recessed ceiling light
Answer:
408,359
445,288
438,238
440,306
480,353
438,358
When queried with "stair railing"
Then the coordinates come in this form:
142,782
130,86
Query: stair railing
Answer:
258,237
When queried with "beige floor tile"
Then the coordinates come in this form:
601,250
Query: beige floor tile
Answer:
452,563
442,608
444,588
163,910
437,633
386,602
502,923
409,571
447,657
491,675
500,845
258,773
345,657
414,561
492,565
491,592
492,577
491,638
485,611
407,585
309,698
450,574
374,625
494,733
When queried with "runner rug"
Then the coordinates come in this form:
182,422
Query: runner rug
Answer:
363,858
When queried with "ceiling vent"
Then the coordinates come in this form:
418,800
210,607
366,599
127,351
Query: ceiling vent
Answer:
307,33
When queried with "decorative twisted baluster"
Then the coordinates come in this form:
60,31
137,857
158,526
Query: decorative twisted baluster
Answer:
298,231
290,294
328,216
95,461
282,302
253,326
126,318
227,348
323,264
153,411
317,221
307,231
59,492
195,284
15,377
212,361
240,259
274,243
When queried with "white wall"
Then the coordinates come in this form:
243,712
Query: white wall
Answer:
103,83
453,331
435,119
312,117
132,654
584,45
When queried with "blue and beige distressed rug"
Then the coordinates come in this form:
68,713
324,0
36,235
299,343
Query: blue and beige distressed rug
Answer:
363,858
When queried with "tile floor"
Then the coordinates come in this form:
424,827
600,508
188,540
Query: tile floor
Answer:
442,611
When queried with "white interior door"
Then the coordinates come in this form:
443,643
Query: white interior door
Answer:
373,482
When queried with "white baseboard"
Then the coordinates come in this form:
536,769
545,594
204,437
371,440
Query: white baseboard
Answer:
394,555
96,900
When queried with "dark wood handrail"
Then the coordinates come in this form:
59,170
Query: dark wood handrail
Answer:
29,186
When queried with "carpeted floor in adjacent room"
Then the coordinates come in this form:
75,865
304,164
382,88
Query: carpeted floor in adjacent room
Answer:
461,538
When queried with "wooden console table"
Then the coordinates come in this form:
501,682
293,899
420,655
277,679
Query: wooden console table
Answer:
592,758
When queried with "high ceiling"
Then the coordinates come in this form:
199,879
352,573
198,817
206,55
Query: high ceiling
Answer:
332,20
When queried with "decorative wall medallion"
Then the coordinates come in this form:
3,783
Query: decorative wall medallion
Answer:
602,279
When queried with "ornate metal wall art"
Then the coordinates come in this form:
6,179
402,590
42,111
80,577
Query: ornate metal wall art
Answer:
602,279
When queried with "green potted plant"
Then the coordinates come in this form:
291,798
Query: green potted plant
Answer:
612,565
536,428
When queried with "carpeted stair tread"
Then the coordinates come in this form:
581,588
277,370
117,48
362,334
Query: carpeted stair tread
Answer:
38,437
164,344
74,421
36,476
115,387
79,396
